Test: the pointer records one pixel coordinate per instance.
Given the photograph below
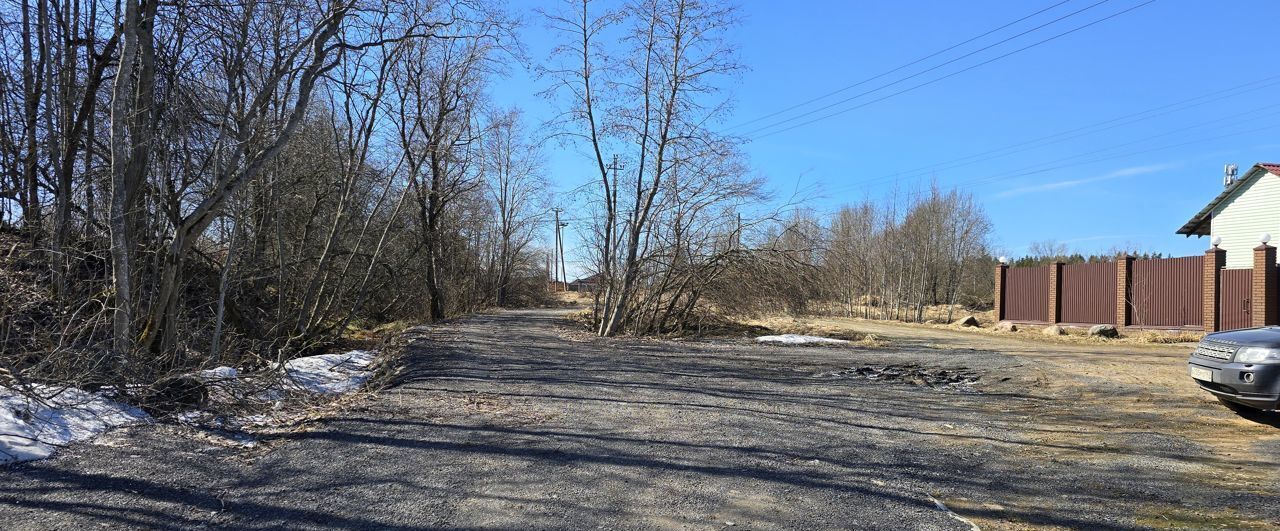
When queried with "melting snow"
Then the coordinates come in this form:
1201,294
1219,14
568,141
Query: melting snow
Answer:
330,373
796,339
32,428
218,374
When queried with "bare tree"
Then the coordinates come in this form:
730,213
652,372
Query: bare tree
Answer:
674,53
516,188
270,172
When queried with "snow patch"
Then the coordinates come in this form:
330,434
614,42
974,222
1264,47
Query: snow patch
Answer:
797,339
218,373
330,373
33,427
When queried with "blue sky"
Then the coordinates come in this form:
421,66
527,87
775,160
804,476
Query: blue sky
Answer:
1132,180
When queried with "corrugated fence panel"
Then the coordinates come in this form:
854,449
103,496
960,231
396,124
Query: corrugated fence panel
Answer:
1167,292
1237,288
1026,294
1088,293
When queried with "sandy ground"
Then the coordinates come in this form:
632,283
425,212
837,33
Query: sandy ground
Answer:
517,421
1100,388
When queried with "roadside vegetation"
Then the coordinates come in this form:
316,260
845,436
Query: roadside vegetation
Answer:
193,185
675,229
857,327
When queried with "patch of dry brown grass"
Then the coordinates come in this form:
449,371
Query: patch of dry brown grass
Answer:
580,319
1080,334
810,327
934,314
572,298
1168,337
848,329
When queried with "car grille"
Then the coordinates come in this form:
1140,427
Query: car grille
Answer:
1217,351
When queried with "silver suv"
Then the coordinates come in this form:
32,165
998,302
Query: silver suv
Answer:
1240,367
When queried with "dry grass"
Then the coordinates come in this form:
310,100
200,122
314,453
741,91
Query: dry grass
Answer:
1168,337
807,327
367,338
849,329
723,328
378,332
581,319
830,327
570,299
1077,334
934,314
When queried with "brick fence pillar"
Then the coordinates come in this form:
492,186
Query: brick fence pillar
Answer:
1263,296
1002,270
1214,260
1124,270
1055,289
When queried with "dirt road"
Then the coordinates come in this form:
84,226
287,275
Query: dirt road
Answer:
511,421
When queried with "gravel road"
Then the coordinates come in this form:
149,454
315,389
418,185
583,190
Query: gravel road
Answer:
513,421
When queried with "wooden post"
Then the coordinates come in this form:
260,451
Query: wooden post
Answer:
1055,289
1002,270
1214,260
1263,296
1124,271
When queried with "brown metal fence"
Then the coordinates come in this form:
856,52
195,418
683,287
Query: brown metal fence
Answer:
1088,293
1161,293
1237,288
1026,294
1167,292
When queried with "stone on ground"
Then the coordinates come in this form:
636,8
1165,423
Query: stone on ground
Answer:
967,320
1104,330
1054,330
1006,326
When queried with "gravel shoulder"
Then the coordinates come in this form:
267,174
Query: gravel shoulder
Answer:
512,420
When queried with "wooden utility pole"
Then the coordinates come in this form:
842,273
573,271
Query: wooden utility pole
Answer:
555,271
564,267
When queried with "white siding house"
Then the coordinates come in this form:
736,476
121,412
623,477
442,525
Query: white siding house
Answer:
1244,211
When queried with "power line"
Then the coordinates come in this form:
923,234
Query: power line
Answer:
912,174
887,72
1133,117
930,82
930,69
966,69
1093,128
1036,169
997,178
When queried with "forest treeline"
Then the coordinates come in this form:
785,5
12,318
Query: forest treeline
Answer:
889,259
192,184
1048,252
676,227
228,183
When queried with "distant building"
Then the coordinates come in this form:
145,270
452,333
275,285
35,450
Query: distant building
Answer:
586,284
1247,208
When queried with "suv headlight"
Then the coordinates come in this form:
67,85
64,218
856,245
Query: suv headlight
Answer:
1257,355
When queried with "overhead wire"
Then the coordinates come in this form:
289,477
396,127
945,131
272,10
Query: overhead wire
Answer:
753,136
897,69
1069,134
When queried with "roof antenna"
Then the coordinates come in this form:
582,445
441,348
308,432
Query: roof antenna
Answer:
1229,174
